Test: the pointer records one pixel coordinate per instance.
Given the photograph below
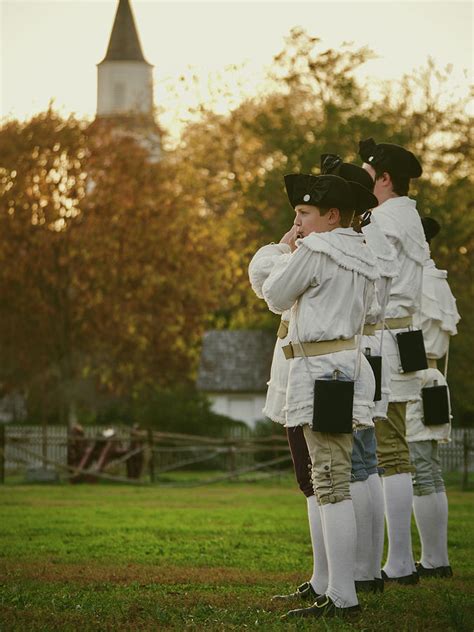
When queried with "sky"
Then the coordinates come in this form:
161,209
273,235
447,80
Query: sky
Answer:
49,50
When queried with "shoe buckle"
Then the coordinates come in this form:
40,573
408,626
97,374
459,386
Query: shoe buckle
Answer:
323,604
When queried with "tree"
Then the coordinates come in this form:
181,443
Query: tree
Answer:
113,264
108,262
315,104
42,185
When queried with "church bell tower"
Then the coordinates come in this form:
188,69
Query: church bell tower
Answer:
124,77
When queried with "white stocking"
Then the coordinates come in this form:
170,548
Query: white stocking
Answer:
443,527
362,501
427,521
319,578
340,536
398,493
378,527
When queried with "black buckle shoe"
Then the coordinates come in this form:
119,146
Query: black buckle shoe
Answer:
304,592
365,585
405,580
322,607
439,571
379,584
375,585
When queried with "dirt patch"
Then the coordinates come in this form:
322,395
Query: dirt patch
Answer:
143,574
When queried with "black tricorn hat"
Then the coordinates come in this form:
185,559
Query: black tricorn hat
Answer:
431,228
328,191
394,158
332,163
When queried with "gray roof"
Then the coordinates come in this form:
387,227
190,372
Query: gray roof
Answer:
124,44
235,361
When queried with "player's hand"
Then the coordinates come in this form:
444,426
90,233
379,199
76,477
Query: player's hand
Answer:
290,238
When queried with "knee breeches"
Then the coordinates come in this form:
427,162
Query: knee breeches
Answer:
428,477
331,464
364,455
392,447
301,459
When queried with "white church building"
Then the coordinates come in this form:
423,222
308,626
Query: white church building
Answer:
124,77
125,85
234,365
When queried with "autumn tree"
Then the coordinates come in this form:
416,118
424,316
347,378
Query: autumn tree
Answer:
315,104
152,256
110,265
114,263
41,188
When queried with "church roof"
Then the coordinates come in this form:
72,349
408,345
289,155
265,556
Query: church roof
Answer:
235,361
124,44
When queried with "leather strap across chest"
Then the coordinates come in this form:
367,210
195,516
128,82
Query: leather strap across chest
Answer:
283,328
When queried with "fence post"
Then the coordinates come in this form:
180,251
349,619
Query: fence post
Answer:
44,444
466,448
231,459
151,462
2,453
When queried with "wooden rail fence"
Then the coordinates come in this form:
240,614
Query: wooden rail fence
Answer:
137,456
126,454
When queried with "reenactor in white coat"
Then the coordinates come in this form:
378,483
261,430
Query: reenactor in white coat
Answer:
366,485
366,488
392,167
274,409
327,282
428,417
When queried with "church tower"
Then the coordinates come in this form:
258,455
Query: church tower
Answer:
124,77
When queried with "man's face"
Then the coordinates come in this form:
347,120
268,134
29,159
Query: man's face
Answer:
379,186
308,220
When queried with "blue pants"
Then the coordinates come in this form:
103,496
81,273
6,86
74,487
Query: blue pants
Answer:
364,455
428,478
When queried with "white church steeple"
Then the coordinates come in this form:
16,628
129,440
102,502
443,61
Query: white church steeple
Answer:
124,77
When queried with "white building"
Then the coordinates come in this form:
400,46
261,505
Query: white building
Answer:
124,77
234,370
125,85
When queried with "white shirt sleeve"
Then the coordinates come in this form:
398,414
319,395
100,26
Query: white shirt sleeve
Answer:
373,306
290,278
393,241
262,264
386,227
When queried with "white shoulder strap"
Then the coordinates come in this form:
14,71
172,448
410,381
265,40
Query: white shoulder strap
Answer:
446,362
384,308
361,332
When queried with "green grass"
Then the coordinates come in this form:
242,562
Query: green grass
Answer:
113,557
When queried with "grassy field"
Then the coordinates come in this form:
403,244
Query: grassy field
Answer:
111,557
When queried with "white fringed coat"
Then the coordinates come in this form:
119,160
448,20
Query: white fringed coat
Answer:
323,283
259,270
388,268
398,219
438,320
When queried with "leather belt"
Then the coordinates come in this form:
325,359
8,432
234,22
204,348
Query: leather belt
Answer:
432,363
396,323
295,350
369,330
283,329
